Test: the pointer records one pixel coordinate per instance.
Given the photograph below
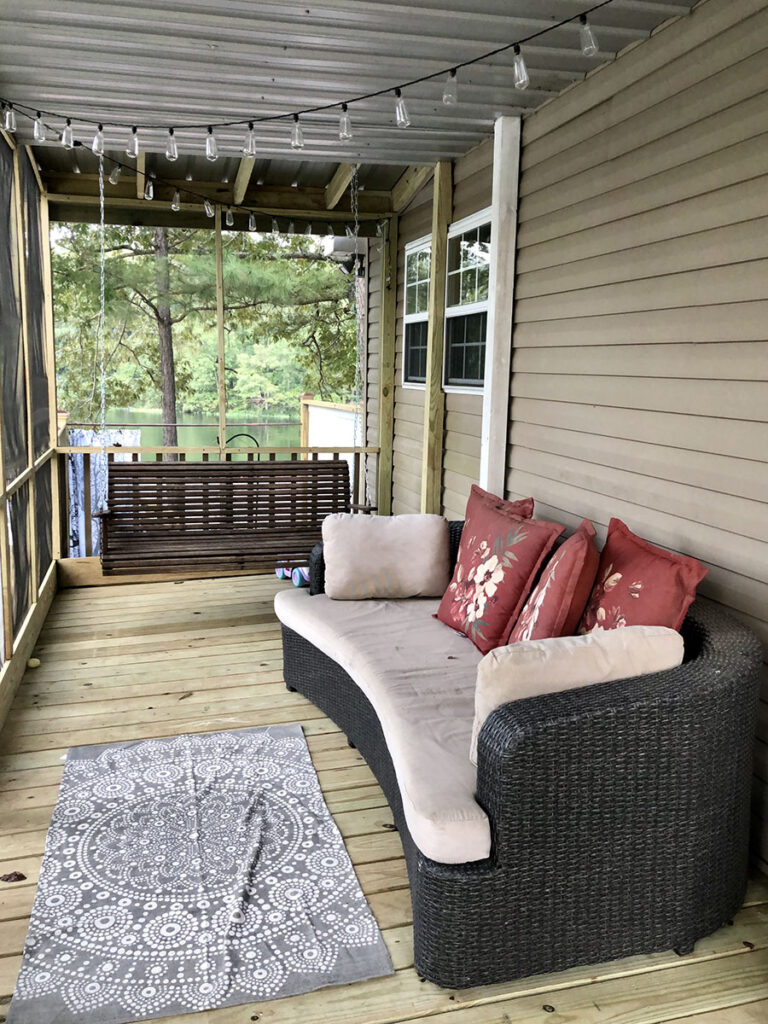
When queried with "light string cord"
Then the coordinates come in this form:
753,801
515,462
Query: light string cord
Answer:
25,109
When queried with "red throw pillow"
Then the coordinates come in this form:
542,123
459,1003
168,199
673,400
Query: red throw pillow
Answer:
639,584
559,598
499,556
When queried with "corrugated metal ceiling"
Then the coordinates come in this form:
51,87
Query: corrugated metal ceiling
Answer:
181,62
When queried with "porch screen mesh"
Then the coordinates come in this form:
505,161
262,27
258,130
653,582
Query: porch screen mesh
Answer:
11,353
38,377
18,507
43,517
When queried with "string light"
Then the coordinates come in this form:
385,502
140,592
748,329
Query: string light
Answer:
9,120
587,38
522,78
114,174
38,129
251,221
67,138
275,226
291,227
171,148
402,117
98,141
345,124
451,89
308,228
229,219
297,135
211,146
249,144
132,149
208,207
149,187
176,201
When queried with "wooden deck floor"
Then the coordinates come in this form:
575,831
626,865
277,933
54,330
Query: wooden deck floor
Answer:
161,659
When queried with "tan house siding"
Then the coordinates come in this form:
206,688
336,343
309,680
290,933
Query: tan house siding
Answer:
640,368
472,182
415,222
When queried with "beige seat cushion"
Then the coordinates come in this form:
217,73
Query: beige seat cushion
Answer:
385,556
419,675
533,667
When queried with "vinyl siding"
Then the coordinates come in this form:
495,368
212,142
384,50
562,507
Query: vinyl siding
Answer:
472,183
640,368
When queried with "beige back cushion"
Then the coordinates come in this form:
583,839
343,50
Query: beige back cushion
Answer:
534,667
385,556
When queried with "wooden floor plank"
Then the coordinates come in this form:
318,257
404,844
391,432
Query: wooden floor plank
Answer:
161,659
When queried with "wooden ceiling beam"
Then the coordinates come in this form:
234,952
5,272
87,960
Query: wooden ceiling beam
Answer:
409,185
338,184
141,173
243,179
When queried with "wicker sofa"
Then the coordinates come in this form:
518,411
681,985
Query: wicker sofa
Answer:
619,813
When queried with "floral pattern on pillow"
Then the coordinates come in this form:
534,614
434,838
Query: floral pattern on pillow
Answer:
474,589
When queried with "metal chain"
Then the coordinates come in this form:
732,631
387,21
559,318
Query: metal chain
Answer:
359,321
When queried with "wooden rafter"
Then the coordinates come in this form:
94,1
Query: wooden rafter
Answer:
408,185
338,184
242,179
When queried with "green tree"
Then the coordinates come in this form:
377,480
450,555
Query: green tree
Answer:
289,321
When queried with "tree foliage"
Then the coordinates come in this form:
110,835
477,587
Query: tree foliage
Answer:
289,320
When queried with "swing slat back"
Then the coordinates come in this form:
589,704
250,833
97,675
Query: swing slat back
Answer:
214,516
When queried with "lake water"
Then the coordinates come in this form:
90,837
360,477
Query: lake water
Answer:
195,430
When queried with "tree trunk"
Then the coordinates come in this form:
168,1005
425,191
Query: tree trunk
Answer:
165,339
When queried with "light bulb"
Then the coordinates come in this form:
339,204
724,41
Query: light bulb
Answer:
402,117
345,125
98,141
251,221
587,38
349,232
38,129
211,147
208,207
229,219
9,121
176,201
132,149
171,148
329,232
249,143
291,227
297,135
149,188
275,225
522,79
451,89
114,174
308,228
380,229
67,139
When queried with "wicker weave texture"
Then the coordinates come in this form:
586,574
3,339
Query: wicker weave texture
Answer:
619,812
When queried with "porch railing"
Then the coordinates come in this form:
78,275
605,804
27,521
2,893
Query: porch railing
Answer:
363,466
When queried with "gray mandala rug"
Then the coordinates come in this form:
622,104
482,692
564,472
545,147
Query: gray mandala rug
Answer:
187,874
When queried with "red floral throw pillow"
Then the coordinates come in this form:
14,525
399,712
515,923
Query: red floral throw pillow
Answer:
499,556
559,598
639,584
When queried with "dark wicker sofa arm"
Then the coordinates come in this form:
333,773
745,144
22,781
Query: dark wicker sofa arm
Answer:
317,561
631,776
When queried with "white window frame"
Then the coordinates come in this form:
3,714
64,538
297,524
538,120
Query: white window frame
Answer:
414,246
458,227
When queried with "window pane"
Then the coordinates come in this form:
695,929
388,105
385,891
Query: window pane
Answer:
423,263
465,341
415,360
482,284
454,284
454,253
410,298
411,267
422,303
468,286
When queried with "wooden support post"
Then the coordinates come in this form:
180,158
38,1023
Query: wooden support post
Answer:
87,504
141,174
387,367
222,384
304,421
49,348
434,397
21,249
494,429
